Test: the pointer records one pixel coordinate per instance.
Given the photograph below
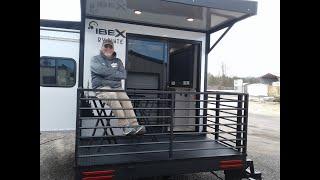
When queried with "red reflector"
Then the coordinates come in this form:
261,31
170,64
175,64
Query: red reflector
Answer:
231,166
231,162
98,178
98,173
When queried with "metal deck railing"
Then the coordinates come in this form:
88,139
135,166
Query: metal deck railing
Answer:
222,116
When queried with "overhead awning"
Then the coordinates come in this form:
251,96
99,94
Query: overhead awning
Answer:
192,15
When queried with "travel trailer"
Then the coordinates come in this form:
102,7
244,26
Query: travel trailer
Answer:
164,46
59,71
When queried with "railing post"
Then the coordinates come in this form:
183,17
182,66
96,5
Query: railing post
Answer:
239,122
245,122
216,127
171,124
205,112
77,127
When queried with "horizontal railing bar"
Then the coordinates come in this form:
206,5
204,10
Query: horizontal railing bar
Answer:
159,125
232,146
226,138
232,127
205,116
139,117
160,108
103,127
131,144
157,134
127,108
228,112
155,91
94,117
151,143
195,149
112,99
194,141
229,119
228,99
156,100
224,105
127,153
225,126
224,92
157,151
226,132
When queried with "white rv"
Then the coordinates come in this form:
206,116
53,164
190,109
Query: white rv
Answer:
59,69
164,46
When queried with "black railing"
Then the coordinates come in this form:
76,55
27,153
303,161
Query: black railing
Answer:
221,116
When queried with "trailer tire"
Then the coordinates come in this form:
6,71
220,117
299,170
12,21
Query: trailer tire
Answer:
233,174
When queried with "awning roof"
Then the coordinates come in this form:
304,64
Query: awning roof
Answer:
208,15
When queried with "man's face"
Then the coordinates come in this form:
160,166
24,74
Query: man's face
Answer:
107,50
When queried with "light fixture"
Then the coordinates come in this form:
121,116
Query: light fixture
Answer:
190,19
137,12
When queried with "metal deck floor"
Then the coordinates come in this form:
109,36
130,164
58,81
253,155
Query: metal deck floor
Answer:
158,156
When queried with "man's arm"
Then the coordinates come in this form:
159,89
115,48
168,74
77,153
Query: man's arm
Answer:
97,68
121,73
108,72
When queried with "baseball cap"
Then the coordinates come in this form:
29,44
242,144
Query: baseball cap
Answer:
107,41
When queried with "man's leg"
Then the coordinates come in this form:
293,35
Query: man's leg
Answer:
114,105
128,105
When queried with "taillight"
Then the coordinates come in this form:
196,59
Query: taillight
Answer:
231,164
98,175
98,178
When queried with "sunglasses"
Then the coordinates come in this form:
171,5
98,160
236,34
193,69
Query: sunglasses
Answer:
108,46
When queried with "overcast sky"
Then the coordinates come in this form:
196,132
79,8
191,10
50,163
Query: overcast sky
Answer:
250,48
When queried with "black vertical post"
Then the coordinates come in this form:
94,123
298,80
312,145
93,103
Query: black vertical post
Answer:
245,122
171,124
205,96
77,127
216,127
81,49
239,121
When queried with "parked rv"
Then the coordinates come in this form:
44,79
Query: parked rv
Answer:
164,47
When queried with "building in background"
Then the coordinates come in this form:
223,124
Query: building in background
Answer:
269,86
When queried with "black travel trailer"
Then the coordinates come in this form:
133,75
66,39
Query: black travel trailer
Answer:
164,46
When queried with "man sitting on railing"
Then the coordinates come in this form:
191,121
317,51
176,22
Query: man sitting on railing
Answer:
107,71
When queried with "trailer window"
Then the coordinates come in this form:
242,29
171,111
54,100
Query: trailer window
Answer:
57,72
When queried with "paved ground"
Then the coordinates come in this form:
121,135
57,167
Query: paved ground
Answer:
57,149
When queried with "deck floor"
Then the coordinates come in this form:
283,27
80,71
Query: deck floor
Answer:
133,158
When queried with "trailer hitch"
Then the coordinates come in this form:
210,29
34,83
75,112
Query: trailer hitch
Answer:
250,173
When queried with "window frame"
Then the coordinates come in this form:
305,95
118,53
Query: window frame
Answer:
61,58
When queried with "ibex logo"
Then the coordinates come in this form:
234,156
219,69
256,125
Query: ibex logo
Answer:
110,32
92,24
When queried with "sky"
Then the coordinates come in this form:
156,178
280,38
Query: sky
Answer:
250,48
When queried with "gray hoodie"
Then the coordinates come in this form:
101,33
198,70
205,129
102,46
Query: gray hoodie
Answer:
106,72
